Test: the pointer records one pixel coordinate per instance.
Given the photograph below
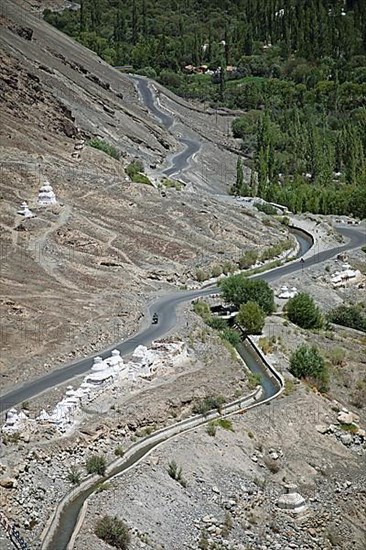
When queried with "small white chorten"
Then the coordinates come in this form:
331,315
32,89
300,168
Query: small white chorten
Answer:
46,195
24,210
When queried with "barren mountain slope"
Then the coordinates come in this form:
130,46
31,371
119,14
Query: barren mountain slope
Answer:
78,275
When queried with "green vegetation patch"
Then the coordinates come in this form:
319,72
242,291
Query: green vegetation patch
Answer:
102,145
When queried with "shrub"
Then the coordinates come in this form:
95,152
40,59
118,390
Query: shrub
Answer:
348,316
289,386
239,290
118,451
113,531
141,178
254,380
251,317
306,362
225,424
135,167
202,309
276,250
303,311
216,271
74,475
201,275
102,145
176,472
96,464
265,345
231,336
266,208
203,406
248,259
337,356
211,429
135,172
217,323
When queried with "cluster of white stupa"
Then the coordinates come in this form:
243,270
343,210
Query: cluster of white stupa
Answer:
46,197
286,293
341,278
104,374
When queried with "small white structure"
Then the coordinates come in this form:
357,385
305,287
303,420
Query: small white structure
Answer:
101,372
15,422
341,278
292,500
24,211
285,293
46,195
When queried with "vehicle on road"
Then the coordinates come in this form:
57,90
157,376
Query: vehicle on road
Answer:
155,319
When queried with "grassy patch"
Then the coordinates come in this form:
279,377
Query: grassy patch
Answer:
107,148
254,380
351,428
172,184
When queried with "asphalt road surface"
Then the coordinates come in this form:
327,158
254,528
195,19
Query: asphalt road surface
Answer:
180,161
165,307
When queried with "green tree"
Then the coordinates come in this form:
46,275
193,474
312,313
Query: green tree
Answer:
303,311
251,317
306,362
113,531
239,290
348,316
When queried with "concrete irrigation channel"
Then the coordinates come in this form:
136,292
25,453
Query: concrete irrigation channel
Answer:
64,525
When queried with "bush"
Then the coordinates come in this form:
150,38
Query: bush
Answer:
337,356
118,451
74,475
239,290
254,380
211,429
276,250
202,309
96,464
113,531
266,208
306,362
176,473
135,171
251,318
216,271
217,323
248,259
303,311
348,316
201,275
203,406
225,424
135,167
231,336
102,145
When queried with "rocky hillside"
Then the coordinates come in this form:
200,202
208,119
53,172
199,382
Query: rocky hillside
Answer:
77,276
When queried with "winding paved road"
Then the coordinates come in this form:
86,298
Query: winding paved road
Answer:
180,161
166,309
165,306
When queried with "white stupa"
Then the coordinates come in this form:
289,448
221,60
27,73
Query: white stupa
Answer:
101,372
24,210
46,195
292,500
